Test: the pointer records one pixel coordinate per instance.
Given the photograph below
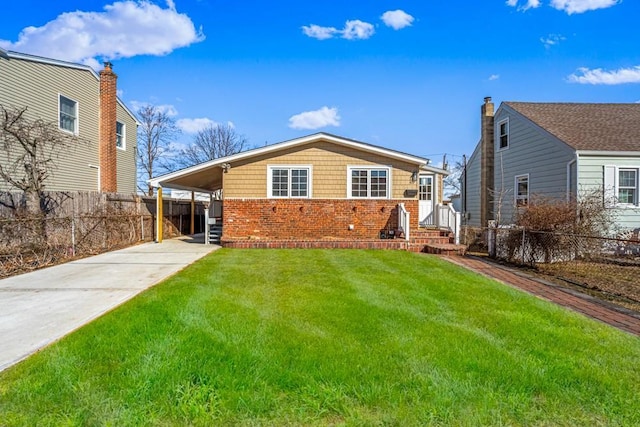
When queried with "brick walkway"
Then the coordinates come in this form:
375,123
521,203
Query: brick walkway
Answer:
569,298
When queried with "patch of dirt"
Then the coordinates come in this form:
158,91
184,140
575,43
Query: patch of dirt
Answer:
618,283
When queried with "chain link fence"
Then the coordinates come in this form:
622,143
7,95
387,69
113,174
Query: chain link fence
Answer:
605,267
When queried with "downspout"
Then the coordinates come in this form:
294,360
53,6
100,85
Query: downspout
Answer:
569,188
464,187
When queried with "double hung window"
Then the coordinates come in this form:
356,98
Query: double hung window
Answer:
522,190
503,134
68,109
628,186
120,135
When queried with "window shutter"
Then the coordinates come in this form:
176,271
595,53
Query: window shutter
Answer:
610,185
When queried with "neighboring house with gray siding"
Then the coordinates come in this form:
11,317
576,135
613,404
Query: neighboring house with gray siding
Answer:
81,102
560,151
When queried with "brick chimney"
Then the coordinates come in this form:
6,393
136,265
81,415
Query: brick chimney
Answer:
487,161
107,151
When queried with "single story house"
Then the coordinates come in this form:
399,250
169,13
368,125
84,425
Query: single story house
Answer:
317,187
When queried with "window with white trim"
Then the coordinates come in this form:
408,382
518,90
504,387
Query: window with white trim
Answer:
621,186
628,186
289,181
522,190
68,109
369,182
503,134
120,135
425,188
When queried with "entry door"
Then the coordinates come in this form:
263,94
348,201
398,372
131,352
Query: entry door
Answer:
425,200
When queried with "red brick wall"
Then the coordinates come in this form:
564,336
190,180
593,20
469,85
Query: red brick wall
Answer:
107,151
311,219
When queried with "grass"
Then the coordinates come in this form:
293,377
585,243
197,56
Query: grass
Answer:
330,337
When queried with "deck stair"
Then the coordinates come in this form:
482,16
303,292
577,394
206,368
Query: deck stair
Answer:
215,233
435,241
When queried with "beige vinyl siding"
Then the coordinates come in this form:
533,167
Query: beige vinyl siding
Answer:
126,159
591,178
329,163
37,86
472,189
531,151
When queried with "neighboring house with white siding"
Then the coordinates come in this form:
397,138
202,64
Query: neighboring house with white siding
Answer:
555,150
83,103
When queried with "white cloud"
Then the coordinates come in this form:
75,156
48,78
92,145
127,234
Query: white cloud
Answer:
318,32
552,40
397,19
494,77
325,116
580,6
529,4
194,125
124,29
353,30
357,30
599,76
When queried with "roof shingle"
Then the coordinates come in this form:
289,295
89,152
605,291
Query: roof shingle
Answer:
598,127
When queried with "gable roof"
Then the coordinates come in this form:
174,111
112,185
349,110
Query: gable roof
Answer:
8,54
587,127
177,177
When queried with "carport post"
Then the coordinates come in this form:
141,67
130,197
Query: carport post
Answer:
192,229
159,216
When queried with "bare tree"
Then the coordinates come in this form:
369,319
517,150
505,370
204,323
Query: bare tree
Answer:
155,135
452,183
213,142
29,152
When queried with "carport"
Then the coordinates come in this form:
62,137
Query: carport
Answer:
206,177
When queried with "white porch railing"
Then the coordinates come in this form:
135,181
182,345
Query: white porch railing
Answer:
403,220
447,217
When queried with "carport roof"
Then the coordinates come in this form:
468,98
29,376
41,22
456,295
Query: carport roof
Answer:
207,176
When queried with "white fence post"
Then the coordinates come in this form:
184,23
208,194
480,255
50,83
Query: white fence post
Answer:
458,227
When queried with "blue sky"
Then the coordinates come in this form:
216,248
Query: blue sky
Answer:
407,75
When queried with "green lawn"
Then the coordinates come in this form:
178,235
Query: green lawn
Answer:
330,337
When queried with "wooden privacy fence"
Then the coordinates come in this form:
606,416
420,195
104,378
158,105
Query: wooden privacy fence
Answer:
82,224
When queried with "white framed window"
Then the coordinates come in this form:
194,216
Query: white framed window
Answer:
370,182
425,188
521,190
621,186
120,135
503,134
68,114
628,186
289,182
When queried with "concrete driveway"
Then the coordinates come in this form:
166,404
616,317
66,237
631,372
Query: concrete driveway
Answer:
41,307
